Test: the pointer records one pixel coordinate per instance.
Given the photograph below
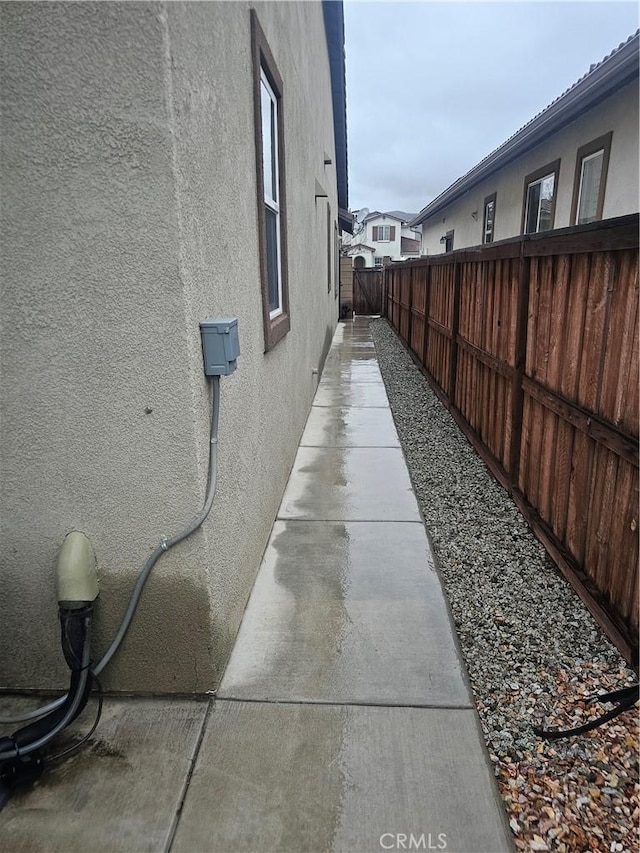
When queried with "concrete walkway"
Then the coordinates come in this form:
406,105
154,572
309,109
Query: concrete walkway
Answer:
344,721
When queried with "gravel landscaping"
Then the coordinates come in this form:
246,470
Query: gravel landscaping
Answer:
533,652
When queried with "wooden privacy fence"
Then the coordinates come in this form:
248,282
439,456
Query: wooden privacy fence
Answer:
532,343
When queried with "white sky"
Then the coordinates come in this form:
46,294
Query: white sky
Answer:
432,87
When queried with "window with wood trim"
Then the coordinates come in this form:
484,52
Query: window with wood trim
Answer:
329,252
384,233
489,218
592,165
377,261
269,141
539,207
448,241
336,260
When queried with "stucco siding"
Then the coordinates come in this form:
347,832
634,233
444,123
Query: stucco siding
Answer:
618,113
129,214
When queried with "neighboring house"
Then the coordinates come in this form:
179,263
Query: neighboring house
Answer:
158,168
383,237
575,162
361,255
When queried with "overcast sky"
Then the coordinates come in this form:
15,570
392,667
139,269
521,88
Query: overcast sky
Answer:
432,87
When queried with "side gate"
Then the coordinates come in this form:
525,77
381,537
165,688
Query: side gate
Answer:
367,291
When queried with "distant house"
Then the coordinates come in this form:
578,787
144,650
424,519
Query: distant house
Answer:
573,163
382,238
130,131
361,254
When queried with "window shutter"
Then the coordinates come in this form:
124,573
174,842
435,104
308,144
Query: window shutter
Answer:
392,232
375,233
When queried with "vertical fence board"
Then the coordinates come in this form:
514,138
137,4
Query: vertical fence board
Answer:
536,413
455,320
557,321
597,493
632,409
593,332
624,530
617,363
562,465
461,391
575,324
540,349
512,315
534,298
601,560
546,465
579,485
508,426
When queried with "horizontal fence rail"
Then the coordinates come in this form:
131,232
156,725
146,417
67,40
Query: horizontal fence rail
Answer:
532,344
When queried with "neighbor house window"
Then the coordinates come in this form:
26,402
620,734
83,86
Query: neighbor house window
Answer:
377,261
270,188
448,241
592,165
540,199
489,218
384,233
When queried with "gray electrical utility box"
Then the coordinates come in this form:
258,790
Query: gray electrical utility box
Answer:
220,345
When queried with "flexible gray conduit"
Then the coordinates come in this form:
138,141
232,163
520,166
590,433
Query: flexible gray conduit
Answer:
164,546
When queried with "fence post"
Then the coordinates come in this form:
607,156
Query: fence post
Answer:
427,313
517,391
453,364
396,301
409,324
384,293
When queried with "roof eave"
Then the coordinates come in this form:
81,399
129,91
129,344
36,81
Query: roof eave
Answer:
334,29
383,216
345,220
614,73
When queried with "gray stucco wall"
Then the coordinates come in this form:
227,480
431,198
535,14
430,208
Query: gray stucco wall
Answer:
618,113
129,214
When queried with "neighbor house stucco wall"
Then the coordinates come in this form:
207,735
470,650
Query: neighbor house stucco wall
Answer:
129,214
383,248
618,113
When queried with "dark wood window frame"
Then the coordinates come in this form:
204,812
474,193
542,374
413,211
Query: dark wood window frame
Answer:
329,252
375,234
602,143
531,178
275,328
448,240
336,260
488,200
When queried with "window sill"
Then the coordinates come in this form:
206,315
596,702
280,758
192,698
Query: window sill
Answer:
275,330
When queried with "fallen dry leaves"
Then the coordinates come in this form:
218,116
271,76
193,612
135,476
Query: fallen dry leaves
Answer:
579,794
